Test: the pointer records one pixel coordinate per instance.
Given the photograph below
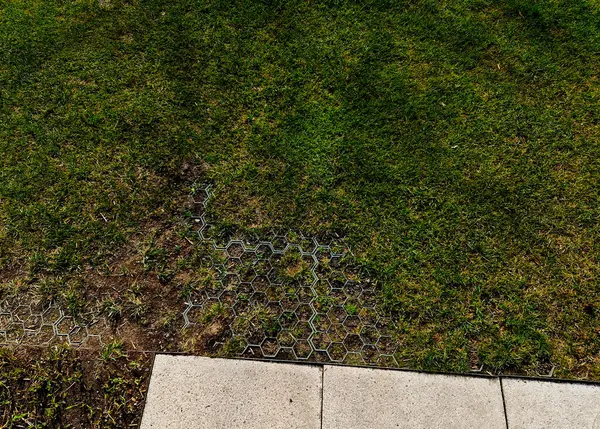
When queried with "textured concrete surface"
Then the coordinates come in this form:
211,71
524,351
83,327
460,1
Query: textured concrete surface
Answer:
196,392
534,404
358,398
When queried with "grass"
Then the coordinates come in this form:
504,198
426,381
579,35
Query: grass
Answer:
454,143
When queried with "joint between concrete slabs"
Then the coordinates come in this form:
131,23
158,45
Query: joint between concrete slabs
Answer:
503,403
413,395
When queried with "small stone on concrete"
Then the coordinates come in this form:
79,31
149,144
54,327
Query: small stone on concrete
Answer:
199,392
359,398
533,404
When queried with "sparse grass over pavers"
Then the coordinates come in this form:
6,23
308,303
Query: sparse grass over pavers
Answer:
454,143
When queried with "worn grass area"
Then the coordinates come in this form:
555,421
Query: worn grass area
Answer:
454,142
63,388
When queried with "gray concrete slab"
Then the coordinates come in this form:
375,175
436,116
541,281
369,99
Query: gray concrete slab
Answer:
196,392
532,404
358,398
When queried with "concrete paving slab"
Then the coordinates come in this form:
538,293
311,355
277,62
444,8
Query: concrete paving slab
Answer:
532,404
197,392
358,398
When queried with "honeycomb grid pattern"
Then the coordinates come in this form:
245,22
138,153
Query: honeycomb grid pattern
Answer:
287,296
276,295
45,324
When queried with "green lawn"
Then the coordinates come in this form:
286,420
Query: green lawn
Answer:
455,143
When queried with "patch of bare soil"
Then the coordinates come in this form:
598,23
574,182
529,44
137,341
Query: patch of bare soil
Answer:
60,387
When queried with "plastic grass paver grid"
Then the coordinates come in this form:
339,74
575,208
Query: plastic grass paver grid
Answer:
286,296
290,296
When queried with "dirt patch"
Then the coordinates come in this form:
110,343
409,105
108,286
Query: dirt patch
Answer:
66,388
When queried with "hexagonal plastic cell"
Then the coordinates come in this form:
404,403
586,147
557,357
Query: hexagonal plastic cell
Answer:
207,232
293,248
322,287
337,352
337,332
249,257
353,289
322,303
338,296
308,244
252,352
78,335
368,299
260,283
197,296
310,279
264,250
65,325
352,324
288,319
233,265
192,314
302,349
214,289
45,334
256,335
228,298
262,267
320,322
368,316
369,334
335,262
302,331
231,281
274,307
250,240
309,260
286,353
370,353
337,279
259,299
235,249
52,315
384,325
22,312
286,339
33,322
325,238
337,314
353,343
320,341
247,274
197,213
200,196
270,347
304,312
241,307
279,243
